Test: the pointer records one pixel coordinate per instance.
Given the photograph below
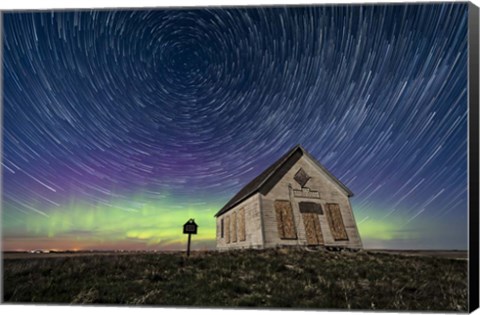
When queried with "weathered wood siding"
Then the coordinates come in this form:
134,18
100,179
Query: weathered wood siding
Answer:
320,189
248,226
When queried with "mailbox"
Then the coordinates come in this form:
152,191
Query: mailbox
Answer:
190,227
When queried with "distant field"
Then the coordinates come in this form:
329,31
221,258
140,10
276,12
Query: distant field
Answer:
454,254
386,280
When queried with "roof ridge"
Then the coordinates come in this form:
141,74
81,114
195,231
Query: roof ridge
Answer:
262,177
284,158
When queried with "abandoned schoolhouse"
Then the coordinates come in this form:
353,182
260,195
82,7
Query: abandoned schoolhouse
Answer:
294,202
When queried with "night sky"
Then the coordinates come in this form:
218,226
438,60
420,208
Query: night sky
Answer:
119,126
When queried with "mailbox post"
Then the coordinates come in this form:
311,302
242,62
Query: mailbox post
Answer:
190,228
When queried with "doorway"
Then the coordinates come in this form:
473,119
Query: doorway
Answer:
310,213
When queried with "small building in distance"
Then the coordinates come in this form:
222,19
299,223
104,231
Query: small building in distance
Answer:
294,202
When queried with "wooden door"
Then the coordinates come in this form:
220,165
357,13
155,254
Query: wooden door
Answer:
313,229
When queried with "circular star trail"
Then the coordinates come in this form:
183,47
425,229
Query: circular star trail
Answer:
118,125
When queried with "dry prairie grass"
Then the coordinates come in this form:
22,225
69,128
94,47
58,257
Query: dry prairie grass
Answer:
250,278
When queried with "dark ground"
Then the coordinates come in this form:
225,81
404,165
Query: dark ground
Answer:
382,280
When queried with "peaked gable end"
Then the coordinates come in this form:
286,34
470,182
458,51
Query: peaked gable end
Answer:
264,182
329,175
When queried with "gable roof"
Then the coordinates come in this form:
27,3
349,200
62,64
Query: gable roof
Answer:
268,178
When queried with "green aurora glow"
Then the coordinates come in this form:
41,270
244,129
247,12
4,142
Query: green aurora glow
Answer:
150,225
158,225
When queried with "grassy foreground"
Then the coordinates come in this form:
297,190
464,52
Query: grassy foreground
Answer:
268,278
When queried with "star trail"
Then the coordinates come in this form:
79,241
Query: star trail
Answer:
120,125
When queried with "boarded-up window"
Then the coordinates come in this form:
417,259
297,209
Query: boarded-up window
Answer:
227,229
221,228
285,223
335,222
301,177
233,228
241,225
313,230
310,207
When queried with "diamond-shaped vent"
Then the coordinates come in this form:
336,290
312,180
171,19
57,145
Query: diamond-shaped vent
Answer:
301,177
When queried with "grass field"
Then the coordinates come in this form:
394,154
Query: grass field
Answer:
269,279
